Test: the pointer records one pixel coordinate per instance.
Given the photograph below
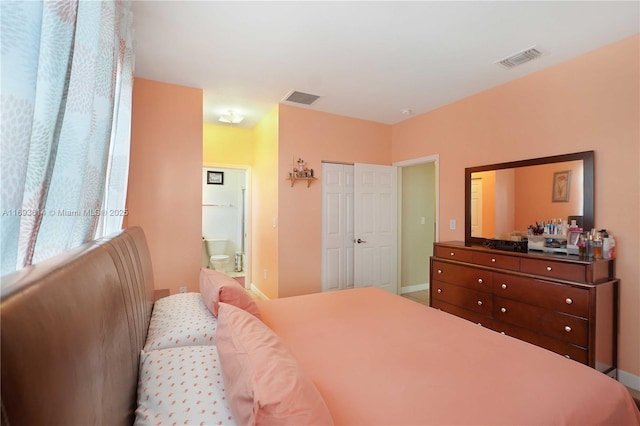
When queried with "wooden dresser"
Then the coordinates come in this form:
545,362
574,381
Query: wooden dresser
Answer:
559,302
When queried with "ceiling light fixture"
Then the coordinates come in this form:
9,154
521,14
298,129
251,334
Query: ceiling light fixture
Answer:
231,117
406,112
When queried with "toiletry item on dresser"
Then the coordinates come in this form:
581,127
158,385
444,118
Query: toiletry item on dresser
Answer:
608,245
596,244
582,245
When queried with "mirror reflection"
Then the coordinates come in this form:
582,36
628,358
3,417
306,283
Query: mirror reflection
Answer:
511,199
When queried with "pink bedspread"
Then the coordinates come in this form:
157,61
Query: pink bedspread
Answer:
380,359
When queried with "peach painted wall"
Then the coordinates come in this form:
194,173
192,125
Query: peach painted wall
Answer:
588,103
534,196
165,190
264,215
504,208
488,201
315,137
226,145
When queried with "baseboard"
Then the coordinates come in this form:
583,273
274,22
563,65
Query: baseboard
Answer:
629,380
414,288
258,293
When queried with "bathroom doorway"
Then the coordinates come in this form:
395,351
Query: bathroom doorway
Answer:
226,221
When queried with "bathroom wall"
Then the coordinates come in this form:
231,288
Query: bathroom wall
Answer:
226,144
222,209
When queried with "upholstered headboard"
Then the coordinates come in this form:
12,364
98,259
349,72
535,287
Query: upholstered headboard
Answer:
72,328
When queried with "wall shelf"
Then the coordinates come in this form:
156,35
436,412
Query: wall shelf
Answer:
294,179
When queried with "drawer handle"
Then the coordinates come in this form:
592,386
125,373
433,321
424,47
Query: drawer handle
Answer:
439,271
452,253
549,268
479,302
568,300
504,286
567,328
503,310
480,281
439,290
493,259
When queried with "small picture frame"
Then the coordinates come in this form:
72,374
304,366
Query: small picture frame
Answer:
573,238
215,178
561,185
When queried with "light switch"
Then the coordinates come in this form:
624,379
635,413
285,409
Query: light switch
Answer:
452,224
422,220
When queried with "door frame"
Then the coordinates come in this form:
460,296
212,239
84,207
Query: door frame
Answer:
412,162
248,209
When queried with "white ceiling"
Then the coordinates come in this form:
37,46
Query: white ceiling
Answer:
367,60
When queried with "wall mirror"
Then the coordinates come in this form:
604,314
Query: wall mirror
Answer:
504,198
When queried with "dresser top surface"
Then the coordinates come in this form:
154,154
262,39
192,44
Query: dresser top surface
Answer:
530,255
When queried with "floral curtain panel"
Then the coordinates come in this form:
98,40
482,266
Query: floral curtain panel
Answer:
65,126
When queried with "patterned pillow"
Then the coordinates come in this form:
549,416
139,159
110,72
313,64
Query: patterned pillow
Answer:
182,386
180,320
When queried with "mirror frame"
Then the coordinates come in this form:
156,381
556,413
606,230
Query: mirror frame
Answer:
587,158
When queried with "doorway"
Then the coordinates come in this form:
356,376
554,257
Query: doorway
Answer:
418,230
476,207
226,218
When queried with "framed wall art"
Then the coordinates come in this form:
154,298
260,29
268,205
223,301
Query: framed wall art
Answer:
215,178
561,183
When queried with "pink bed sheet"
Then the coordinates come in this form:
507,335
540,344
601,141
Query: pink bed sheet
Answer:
380,359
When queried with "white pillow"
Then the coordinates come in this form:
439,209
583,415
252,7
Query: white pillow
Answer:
180,320
182,386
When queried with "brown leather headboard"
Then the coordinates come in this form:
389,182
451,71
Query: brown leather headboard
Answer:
72,328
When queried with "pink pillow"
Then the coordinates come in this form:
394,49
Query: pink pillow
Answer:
216,287
263,382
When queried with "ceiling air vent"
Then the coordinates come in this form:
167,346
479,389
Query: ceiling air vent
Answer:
520,58
301,97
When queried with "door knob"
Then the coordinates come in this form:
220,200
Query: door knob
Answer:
359,241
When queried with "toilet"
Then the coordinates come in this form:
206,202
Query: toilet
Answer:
217,259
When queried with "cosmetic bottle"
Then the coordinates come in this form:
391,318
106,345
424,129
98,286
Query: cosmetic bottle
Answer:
596,246
609,247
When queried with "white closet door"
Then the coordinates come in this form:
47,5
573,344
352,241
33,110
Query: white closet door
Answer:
337,226
376,226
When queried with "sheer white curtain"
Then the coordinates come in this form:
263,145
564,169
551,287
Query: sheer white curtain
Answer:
65,126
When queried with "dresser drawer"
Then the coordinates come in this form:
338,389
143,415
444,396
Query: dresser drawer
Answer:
558,297
543,321
477,279
463,313
565,349
549,268
453,253
477,301
497,260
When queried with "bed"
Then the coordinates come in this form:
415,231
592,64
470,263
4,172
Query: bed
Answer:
81,336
